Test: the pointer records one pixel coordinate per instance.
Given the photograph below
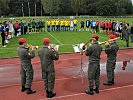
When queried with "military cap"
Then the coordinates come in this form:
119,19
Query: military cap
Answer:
46,40
22,40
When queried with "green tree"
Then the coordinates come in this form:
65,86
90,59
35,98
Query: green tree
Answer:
77,5
51,7
65,7
105,8
4,8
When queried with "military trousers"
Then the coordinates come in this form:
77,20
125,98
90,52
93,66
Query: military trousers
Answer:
49,80
110,67
26,76
94,74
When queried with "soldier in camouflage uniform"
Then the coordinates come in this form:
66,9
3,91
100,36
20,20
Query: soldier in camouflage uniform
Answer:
47,57
126,33
111,51
94,52
26,66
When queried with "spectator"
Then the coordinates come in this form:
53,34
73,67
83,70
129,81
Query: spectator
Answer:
16,27
3,34
25,27
131,32
11,29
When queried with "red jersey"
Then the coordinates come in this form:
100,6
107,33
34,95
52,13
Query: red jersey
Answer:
110,24
102,24
106,24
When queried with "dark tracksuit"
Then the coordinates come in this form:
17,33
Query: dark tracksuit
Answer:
111,51
3,34
47,57
131,32
94,52
26,66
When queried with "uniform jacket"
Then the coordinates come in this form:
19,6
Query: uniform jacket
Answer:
94,52
47,57
25,57
111,51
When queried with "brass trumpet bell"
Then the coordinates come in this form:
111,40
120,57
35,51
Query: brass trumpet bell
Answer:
109,41
31,46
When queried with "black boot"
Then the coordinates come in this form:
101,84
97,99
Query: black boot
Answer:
113,81
96,90
47,93
23,89
108,83
29,91
51,94
89,92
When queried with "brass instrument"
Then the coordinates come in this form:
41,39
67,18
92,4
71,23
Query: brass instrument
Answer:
85,45
31,46
101,43
109,41
52,47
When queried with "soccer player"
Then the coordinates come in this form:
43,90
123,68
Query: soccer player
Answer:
82,25
75,21
87,25
53,22
48,25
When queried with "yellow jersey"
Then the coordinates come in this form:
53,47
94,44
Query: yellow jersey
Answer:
57,23
48,22
61,23
67,23
53,22
75,21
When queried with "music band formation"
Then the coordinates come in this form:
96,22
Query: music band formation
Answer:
48,54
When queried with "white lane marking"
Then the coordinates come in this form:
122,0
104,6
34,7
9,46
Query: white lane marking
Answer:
60,97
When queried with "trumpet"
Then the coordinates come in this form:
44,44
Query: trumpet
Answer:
85,45
53,47
31,46
109,41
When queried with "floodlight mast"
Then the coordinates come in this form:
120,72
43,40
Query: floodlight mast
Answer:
29,8
35,9
22,9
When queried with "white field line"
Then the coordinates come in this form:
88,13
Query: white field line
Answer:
78,94
54,38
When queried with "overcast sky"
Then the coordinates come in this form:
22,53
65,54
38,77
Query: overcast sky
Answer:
132,1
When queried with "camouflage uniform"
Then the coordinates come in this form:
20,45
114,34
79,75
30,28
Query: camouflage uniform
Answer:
26,66
126,33
47,57
111,51
94,52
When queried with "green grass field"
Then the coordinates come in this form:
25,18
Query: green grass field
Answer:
64,39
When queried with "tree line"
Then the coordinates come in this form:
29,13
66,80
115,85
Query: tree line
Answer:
65,7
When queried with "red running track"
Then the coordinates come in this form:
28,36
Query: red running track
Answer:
68,82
